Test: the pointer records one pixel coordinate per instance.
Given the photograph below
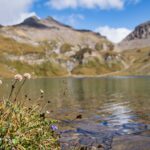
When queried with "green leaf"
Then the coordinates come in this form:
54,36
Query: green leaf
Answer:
15,141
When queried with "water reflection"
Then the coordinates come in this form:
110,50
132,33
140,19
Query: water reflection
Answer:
120,113
119,99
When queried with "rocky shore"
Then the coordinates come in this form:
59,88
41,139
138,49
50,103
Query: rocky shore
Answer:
104,136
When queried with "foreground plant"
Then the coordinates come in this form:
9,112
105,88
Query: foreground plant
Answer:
24,128
17,78
1,82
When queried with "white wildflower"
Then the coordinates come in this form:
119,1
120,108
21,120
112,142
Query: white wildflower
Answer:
27,75
42,92
47,112
18,77
1,82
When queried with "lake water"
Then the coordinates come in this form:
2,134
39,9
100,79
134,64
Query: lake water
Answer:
111,101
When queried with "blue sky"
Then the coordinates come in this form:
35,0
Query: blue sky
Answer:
109,17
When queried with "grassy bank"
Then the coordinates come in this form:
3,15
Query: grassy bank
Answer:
23,127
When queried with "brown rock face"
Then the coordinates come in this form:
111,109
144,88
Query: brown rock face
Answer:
139,38
141,32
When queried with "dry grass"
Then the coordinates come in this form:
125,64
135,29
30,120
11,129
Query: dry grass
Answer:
9,68
5,71
11,46
95,67
139,60
23,127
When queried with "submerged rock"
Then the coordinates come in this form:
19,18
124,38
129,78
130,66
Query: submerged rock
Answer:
131,142
90,136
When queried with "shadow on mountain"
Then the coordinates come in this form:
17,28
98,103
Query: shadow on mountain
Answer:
33,22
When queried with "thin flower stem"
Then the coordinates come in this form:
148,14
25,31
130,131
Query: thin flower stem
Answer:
23,102
20,89
43,107
12,89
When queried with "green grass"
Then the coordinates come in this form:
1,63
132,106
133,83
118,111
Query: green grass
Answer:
23,127
49,69
96,67
8,68
65,48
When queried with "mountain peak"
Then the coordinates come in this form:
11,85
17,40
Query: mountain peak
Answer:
139,38
143,24
33,22
32,18
142,31
49,18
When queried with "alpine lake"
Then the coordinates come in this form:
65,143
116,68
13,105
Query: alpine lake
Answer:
110,113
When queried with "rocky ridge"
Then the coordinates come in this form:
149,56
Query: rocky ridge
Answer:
47,47
139,38
55,49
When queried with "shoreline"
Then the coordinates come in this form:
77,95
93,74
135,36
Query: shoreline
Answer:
87,76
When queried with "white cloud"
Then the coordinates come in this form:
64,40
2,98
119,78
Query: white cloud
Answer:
102,4
133,1
14,11
72,19
114,34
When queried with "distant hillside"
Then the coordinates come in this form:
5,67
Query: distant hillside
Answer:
34,31
135,49
138,61
46,47
139,38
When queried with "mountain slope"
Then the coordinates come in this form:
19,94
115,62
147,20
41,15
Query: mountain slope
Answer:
34,31
138,61
46,47
139,38
135,49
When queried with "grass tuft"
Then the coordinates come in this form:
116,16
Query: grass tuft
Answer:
23,127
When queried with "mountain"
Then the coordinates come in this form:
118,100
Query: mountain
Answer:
34,30
139,38
46,47
135,49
